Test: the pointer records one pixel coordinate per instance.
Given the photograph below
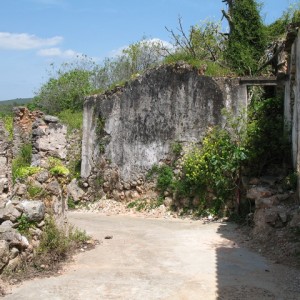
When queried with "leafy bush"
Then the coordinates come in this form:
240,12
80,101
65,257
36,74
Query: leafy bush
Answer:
211,172
66,90
164,178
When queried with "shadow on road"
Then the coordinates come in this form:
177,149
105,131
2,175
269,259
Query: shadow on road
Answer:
243,274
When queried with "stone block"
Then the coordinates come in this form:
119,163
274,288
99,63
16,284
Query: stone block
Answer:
259,192
4,253
33,210
75,191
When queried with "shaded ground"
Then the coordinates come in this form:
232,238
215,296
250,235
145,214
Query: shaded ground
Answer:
163,259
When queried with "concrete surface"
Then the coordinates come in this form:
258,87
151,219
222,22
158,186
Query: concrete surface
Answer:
163,259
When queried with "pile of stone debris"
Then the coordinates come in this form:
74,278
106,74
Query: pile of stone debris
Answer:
275,230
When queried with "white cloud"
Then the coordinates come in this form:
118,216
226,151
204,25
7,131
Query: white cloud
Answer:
25,41
57,52
163,43
117,52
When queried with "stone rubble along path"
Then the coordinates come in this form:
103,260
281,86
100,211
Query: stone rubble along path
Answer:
149,258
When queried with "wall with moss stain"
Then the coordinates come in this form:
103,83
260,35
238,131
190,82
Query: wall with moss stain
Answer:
143,118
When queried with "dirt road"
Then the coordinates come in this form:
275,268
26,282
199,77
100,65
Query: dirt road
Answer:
163,259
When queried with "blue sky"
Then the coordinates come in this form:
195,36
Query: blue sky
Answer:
36,33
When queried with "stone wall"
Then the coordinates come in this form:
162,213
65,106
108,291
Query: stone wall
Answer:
5,164
48,140
23,120
131,128
37,195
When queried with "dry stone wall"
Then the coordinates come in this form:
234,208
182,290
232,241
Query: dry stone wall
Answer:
37,195
23,120
128,130
48,140
5,164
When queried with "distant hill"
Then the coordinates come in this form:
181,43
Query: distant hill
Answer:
6,106
17,101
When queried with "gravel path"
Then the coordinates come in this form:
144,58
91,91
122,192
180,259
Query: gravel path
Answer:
163,259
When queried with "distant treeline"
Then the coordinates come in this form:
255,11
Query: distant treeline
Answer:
7,105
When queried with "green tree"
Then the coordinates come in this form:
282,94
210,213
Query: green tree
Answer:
202,42
67,86
65,92
246,39
279,27
136,58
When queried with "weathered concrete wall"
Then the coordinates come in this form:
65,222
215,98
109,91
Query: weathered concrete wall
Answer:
132,127
292,103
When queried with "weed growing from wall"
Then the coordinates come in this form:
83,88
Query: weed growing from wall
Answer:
24,224
56,167
8,125
21,164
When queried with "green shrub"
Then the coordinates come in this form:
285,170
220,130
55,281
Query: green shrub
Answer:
164,178
211,172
